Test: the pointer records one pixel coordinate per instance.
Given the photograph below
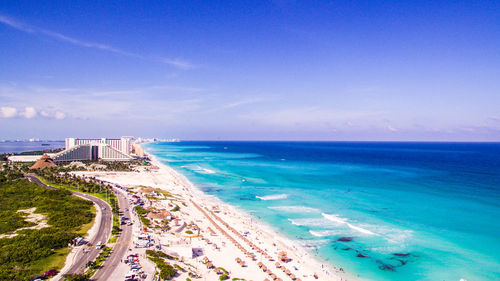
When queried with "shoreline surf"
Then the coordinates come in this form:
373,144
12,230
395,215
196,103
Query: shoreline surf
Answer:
329,270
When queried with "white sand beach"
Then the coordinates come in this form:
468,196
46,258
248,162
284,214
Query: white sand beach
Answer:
228,237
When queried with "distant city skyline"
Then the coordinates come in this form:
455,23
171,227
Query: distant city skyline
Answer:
276,70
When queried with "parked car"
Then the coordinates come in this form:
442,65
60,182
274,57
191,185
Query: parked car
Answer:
49,273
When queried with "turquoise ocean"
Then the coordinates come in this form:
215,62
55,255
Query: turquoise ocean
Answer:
383,211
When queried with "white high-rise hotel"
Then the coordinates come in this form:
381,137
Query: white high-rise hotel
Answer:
95,149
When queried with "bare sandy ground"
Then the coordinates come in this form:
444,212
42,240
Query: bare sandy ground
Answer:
39,220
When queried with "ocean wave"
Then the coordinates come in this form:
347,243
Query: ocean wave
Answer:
334,218
199,169
295,209
310,222
340,220
273,197
324,233
313,243
360,229
398,236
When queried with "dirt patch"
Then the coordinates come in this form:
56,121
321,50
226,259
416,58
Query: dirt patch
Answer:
39,220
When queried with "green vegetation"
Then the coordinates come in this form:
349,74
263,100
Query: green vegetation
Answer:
142,213
189,232
97,263
176,208
223,277
166,270
179,268
159,254
90,186
223,270
33,251
9,174
59,177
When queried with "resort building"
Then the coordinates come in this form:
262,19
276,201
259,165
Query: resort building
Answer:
95,149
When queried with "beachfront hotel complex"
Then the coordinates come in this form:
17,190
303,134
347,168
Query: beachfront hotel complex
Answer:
95,149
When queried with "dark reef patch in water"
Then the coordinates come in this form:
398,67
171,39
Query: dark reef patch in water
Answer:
345,239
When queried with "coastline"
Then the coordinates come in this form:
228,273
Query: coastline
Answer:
324,270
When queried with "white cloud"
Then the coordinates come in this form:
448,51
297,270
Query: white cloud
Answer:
44,113
178,63
14,24
8,112
310,117
59,115
391,128
29,112
182,64
235,104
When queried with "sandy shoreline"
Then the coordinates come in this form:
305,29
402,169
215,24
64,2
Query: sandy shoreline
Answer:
229,242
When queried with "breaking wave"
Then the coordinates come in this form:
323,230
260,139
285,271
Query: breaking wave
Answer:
340,220
273,197
295,209
324,233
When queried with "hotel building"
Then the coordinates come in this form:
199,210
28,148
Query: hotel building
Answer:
95,149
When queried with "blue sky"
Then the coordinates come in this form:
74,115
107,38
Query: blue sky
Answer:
289,70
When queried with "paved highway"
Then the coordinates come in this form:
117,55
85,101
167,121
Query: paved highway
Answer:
103,232
122,244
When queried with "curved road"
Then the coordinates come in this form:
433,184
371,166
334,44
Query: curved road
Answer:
103,233
122,243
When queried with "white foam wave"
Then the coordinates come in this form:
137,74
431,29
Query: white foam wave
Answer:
273,197
310,222
397,236
313,243
199,169
340,220
324,233
362,230
207,171
295,209
334,218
